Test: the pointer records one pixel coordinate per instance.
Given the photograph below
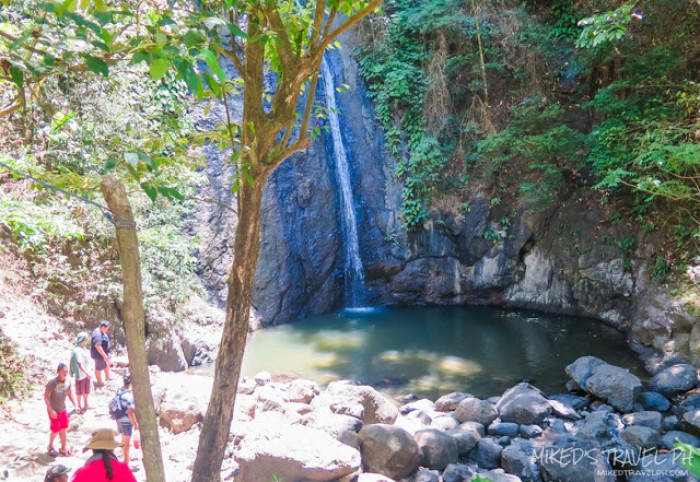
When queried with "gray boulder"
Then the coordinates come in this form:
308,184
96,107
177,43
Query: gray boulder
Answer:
302,391
423,404
595,427
293,452
661,468
581,369
574,462
449,402
388,450
457,473
640,436
654,401
475,410
674,380
646,419
498,475
530,431
520,459
691,420
438,449
508,429
487,454
166,352
617,386
427,476
345,398
445,422
467,436
523,404
332,423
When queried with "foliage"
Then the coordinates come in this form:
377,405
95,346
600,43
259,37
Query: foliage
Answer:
691,461
13,381
605,27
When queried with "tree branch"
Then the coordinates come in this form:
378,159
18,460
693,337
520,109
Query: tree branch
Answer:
349,23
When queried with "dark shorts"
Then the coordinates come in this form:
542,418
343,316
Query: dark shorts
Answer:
82,387
124,426
100,364
60,422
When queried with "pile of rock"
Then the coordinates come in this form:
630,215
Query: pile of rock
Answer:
610,425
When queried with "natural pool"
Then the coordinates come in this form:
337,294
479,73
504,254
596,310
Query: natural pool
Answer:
433,351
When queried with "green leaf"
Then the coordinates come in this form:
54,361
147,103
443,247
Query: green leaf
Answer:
161,39
236,31
139,56
187,73
192,39
213,85
158,68
150,190
132,159
17,76
49,60
100,45
249,178
97,65
111,163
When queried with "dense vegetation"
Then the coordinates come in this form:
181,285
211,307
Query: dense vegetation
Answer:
531,102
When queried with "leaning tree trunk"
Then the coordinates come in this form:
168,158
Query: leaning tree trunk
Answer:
118,202
217,423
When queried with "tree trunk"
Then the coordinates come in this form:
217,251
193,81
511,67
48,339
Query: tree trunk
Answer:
217,423
118,202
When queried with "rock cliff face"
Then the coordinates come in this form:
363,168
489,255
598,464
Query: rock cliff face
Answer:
577,258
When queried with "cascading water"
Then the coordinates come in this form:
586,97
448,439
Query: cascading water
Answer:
354,272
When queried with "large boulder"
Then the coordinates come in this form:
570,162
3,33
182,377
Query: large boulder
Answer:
362,401
674,380
449,402
523,404
520,459
389,450
575,462
582,368
487,454
641,436
293,452
617,386
475,410
467,436
438,449
166,352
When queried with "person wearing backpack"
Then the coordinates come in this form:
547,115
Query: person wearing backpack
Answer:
123,410
80,367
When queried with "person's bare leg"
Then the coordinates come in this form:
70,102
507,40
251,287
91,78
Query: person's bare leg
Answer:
107,376
98,377
126,440
52,437
62,437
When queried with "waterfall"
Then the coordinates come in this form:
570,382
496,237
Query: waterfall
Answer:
354,272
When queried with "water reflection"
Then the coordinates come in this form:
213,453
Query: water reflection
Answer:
432,351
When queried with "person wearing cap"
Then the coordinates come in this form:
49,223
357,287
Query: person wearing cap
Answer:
126,423
57,473
55,393
81,358
99,350
103,464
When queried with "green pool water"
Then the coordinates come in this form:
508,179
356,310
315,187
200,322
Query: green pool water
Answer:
433,351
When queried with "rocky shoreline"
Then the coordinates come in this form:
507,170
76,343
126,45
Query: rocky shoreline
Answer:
609,427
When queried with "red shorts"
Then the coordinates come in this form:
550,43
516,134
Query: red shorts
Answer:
82,387
60,422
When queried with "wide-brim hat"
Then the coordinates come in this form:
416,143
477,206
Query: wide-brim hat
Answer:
103,439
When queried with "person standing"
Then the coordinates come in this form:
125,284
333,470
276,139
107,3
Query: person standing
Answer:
126,418
99,351
80,368
57,389
103,466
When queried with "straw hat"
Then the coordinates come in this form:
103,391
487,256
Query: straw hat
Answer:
103,439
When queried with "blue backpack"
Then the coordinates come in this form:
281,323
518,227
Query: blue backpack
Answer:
116,406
